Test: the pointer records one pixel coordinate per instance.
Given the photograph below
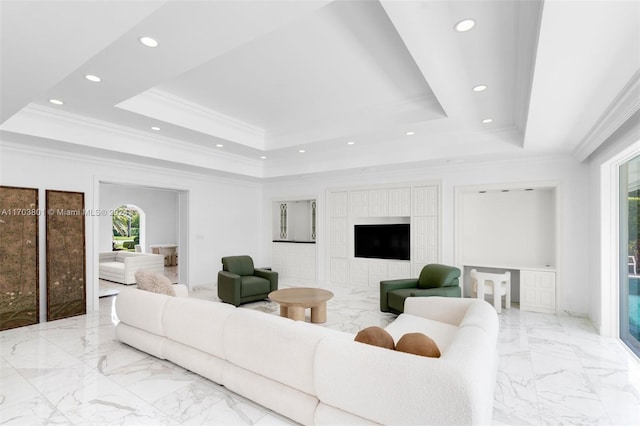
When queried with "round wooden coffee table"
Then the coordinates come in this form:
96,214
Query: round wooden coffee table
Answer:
293,302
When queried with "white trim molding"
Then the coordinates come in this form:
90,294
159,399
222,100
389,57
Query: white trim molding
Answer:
619,111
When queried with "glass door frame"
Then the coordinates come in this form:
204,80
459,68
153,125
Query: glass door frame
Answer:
632,342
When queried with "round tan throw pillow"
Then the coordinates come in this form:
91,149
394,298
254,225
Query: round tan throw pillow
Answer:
418,344
375,336
154,282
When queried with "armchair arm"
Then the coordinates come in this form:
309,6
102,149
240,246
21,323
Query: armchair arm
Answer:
229,285
388,285
272,276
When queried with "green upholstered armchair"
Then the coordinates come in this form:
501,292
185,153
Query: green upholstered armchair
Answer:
239,282
434,280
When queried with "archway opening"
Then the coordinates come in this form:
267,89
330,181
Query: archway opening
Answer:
128,228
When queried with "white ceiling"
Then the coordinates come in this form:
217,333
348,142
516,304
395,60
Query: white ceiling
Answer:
271,78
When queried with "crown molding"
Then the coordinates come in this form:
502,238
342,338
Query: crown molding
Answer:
624,105
44,122
164,106
8,145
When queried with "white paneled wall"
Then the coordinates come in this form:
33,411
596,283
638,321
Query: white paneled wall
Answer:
294,262
416,204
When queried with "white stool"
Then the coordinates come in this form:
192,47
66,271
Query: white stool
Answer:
497,284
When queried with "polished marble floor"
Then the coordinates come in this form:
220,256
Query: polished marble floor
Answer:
552,370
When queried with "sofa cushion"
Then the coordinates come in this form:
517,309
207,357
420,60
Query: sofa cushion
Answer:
117,267
183,314
388,387
274,347
141,309
375,336
418,344
154,282
440,332
253,286
241,265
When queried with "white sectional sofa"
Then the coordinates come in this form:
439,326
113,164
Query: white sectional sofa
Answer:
121,266
315,375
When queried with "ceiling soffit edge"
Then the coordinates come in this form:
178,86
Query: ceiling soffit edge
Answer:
164,106
426,106
193,173
625,104
529,22
41,117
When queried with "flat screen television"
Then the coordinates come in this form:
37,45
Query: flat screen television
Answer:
382,241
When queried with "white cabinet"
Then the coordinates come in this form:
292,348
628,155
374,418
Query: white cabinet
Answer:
425,201
416,204
339,203
379,203
424,236
400,202
294,261
339,271
339,237
359,203
369,272
538,291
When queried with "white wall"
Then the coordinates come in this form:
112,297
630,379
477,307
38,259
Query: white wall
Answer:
515,228
160,208
571,177
224,214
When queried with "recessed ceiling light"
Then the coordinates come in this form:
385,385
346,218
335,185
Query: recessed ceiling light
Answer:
351,143
301,151
93,78
148,41
480,88
482,192
464,25
487,121
219,145
155,128
263,158
410,133
56,101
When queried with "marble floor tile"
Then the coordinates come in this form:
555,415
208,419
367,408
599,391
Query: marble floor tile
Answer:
553,370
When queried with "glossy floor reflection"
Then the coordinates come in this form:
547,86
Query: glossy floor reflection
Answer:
553,370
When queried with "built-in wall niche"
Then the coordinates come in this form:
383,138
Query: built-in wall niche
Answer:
508,226
294,220
511,229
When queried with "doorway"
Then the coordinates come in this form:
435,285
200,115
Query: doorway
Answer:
163,222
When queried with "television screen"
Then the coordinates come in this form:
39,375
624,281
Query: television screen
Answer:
382,241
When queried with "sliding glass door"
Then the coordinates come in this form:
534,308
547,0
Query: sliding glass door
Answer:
630,254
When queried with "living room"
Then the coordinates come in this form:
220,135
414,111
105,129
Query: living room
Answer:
225,195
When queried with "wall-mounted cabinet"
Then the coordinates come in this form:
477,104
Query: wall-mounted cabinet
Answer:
416,205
